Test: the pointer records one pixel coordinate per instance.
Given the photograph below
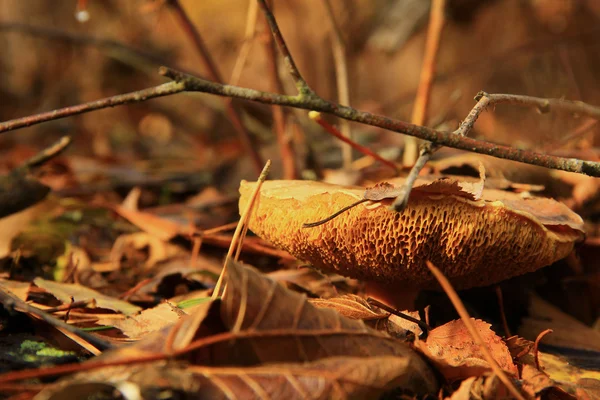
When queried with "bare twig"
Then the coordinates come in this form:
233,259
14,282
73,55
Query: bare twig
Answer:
285,149
341,74
133,97
502,313
432,44
421,324
400,202
240,62
215,75
12,302
466,318
442,138
47,154
316,116
303,89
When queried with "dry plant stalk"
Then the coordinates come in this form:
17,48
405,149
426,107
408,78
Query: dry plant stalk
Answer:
466,318
432,44
215,75
341,74
240,230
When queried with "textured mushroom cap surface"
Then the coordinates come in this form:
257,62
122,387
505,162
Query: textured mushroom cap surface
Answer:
474,242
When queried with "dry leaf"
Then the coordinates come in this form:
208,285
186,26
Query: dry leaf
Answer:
351,306
19,289
330,378
452,349
64,292
150,320
567,331
159,250
475,243
150,223
274,324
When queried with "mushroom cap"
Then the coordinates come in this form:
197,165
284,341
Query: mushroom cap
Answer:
475,242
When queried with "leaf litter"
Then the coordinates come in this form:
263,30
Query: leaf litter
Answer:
137,273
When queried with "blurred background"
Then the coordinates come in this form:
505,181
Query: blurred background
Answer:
546,48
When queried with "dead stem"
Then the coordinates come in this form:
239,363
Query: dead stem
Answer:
133,97
303,89
536,344
247,44
341,74
237,235
285,149
466,318
316,116
215,75
432,44
47,154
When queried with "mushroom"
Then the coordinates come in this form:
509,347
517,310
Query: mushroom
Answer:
475,239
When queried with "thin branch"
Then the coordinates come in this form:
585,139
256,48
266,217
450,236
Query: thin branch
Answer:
432,44
285,149
427,150
47,154
133,97
249,34
442,138
12,302
215,75
341,74
577,108
303,89
316,116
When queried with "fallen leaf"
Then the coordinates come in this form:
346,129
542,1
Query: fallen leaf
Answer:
150,223
351,306
147,321
456,354
330,378
159,250
19,289
64,292
567,331
270,323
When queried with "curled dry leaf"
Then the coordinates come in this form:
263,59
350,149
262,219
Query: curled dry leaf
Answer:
64,292
351,306
452,349
475,242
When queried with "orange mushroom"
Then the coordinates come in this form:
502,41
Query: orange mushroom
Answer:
476,238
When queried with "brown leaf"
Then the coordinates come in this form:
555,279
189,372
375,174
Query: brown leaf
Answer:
452,349
481,387
330,378
274,324
64,292
150,320
19,289
150,223
351,306
567,331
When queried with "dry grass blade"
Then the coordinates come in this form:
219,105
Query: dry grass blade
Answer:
466,318
238,235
